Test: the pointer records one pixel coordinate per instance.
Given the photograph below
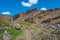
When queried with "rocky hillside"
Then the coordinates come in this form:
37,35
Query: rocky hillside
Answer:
28,14
48,17
32,25
36,16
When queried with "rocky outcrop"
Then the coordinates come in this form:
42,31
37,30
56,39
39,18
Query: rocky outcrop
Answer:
28,14
47,17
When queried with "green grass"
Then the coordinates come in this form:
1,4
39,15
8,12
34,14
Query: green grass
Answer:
12,32
24,23
15,33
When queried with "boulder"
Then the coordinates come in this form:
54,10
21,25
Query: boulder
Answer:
6,36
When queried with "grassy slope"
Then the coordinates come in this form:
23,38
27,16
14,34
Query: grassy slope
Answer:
12,32
34,32
29,31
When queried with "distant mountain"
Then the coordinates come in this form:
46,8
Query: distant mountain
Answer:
35,16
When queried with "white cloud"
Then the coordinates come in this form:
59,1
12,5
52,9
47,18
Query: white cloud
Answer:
30,3
6,13
43,8
33,1
26,4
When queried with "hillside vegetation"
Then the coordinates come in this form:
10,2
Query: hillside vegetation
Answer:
29,31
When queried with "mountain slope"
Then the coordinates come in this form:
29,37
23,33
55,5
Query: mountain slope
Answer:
35,16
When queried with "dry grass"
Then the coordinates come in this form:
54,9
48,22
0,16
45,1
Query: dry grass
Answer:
33,32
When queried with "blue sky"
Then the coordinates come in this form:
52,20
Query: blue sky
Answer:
12,7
